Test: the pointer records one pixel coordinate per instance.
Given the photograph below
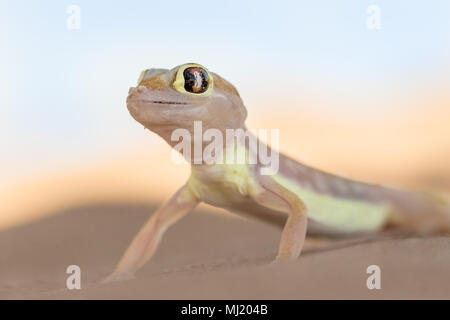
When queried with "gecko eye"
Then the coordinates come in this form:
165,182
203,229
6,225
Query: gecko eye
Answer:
193,79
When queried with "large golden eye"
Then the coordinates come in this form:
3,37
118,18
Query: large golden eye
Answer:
193,79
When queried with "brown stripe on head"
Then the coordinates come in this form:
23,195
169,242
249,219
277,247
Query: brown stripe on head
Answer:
156,82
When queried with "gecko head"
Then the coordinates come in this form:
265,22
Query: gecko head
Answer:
165,100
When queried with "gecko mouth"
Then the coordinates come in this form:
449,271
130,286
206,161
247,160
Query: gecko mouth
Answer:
163,102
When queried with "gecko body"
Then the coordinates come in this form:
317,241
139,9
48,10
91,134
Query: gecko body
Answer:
299,198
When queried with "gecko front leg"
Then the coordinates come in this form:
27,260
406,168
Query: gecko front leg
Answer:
146,241
276,197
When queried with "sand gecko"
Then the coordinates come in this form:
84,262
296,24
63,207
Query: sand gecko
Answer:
296,196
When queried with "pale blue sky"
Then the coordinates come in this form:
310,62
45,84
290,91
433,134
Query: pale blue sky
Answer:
65,90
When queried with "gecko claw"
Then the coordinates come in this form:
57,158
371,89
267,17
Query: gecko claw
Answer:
118,276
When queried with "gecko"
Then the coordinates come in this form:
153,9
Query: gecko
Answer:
299,198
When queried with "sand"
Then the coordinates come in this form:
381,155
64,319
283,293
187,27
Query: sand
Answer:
211,256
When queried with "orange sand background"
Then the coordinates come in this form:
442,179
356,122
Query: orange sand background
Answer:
408,146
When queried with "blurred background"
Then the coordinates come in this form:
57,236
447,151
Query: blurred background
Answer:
363,102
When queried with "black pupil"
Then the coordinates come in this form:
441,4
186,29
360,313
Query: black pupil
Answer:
195,80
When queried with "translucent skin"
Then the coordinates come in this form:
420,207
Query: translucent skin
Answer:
334,205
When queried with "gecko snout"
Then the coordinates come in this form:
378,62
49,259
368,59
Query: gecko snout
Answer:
134,91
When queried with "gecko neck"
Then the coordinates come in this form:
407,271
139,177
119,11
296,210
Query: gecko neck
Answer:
196,141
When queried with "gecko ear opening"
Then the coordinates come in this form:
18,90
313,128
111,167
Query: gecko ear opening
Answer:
193,79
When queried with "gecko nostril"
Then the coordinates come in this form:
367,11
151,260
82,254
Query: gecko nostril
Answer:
135,91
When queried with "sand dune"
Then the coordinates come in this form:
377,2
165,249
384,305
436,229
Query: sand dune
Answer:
209,256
